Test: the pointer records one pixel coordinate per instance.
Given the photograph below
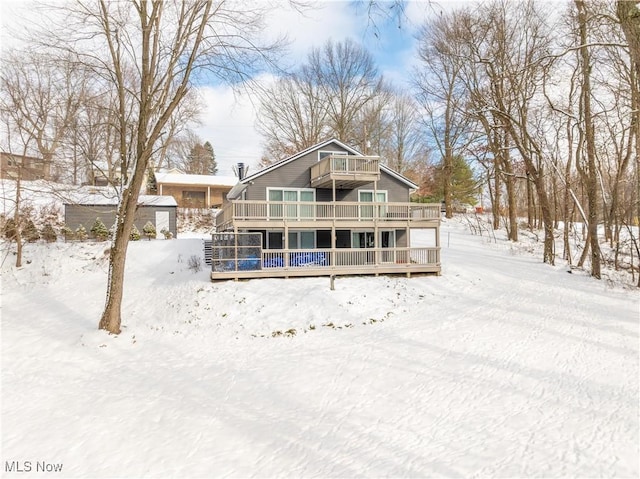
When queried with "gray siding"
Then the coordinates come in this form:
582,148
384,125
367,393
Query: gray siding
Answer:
296,174
76,215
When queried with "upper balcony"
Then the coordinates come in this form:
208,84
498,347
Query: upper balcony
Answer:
347,171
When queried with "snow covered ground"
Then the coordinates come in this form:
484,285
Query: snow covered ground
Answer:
501,367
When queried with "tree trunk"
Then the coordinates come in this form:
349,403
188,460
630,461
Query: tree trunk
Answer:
111,317
592,175
16,220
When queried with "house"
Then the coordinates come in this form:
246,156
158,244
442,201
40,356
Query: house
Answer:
327,210
29,168
195,191
85,207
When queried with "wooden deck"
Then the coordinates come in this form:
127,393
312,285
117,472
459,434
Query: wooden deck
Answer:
233,264
343,214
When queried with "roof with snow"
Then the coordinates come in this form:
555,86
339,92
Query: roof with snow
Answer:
107,198
200,180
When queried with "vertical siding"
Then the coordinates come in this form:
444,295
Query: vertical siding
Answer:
295,174
76,215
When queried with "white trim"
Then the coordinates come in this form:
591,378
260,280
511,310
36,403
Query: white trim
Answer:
373,194
330,152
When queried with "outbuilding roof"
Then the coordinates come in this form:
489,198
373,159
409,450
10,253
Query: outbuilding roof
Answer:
195,180
106,198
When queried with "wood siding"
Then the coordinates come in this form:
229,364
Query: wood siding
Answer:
217,195
85,215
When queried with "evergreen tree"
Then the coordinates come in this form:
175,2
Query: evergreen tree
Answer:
152,184
149,230
67,233
201,160
99,230
10,231
48,233
30,232
464,187
211,158
81,233
135,234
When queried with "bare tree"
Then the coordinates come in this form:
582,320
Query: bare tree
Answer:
403,143
293,114
149,53
589,170
443,96
349,80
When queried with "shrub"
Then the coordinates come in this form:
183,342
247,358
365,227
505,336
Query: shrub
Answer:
81,233
30,233
10,231
167,234
67,232
149,230
48,233
99,231
135,234
195,263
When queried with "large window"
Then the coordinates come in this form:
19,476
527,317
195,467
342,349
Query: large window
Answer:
287,202
367,196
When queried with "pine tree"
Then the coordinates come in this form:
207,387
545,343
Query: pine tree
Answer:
67,232
135,234
99,231
48,233
149,230
212,165
152,184
30,232
81,233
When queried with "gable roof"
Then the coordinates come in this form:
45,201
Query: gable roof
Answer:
319,146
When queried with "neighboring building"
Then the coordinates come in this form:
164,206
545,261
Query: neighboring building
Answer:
327,210
85,208
29,168
195,191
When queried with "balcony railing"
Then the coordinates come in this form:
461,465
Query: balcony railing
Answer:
237,212
347,170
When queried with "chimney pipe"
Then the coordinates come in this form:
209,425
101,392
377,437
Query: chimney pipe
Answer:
241,171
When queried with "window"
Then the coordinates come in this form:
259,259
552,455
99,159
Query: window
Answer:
362,239
366,196
302,240
282,196
193,199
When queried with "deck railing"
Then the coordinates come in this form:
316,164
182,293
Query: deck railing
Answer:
240,210
346,164
337,259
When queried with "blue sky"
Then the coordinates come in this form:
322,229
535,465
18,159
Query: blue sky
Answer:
228,122
228,118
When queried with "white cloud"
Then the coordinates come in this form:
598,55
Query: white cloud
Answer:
228,124
228,121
